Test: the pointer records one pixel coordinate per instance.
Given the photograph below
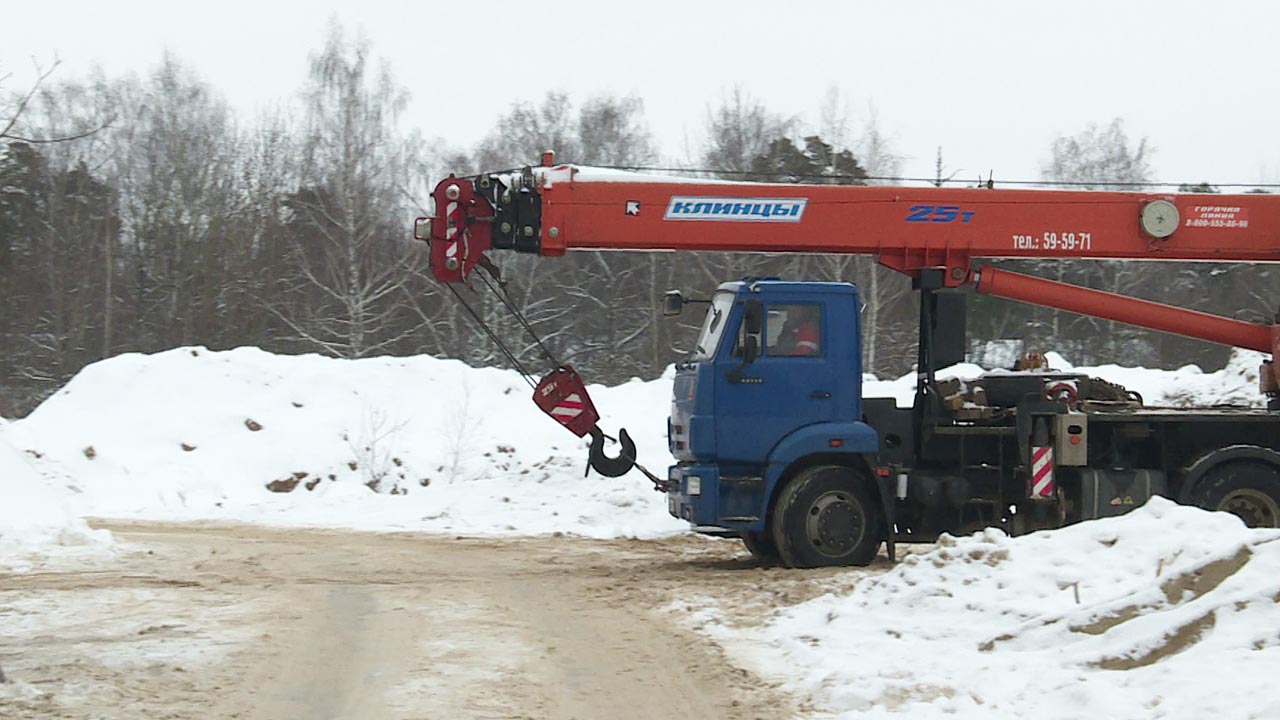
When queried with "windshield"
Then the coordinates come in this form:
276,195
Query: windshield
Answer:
713,326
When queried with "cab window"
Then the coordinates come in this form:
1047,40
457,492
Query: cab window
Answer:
713,326
793,330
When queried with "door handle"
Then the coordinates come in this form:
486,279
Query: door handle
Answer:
820,395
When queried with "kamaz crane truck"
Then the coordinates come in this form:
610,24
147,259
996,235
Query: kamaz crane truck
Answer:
782,449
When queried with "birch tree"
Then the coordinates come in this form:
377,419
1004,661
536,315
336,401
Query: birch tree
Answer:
1098,158
174,156
347,218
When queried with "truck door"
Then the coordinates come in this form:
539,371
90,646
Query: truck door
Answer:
793,382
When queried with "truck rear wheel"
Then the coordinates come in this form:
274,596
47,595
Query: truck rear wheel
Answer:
827,516
1247,488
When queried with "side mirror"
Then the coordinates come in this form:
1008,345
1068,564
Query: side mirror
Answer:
672,303
750,349
422,229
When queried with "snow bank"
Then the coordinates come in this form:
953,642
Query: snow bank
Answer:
1235,384
34,515
385,443
1165,612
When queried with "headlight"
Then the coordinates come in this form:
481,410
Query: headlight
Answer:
693,485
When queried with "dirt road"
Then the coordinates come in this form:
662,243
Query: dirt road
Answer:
204,621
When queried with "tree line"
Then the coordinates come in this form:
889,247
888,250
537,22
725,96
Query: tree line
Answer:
138,215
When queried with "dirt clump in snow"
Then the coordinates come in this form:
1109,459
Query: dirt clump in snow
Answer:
1201,580
1182,637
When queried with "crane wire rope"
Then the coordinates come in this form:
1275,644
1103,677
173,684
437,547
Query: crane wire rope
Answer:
506,352
800,177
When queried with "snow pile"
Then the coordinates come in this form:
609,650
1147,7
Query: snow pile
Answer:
1135,616
384,443
34,514
1235,384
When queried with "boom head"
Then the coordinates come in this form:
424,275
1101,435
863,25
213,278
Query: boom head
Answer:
476,214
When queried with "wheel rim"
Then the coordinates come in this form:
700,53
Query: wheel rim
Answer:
834,524
1256,508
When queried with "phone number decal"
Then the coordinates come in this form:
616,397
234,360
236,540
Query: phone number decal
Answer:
1055,242
1217,216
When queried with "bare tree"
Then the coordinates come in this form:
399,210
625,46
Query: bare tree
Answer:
58,225
739,130
347,217
1099,157
875,149
175,161
59,234
13,108
522,134
611,131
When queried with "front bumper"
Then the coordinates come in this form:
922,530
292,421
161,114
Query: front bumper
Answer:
703,497
693,496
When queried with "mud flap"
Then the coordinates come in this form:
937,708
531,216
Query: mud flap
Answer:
887,496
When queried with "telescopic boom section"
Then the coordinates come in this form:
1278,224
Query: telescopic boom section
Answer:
553,209
562,208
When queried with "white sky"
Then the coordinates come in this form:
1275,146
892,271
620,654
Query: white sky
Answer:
992,83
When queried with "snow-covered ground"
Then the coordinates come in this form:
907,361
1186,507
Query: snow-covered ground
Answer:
1167,612
35,515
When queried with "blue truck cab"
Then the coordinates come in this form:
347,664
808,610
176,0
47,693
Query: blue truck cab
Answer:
750,407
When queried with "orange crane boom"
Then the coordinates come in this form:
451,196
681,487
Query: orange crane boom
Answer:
553,209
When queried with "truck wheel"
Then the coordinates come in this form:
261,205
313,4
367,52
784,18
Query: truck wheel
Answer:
1246,488
827,516
760,545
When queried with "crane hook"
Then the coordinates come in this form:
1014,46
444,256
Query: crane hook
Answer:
615,466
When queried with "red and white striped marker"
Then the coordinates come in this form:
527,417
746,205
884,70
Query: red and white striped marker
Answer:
562,395
451,234
1042,471
452,228
568,409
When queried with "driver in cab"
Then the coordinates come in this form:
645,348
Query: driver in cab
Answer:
801,332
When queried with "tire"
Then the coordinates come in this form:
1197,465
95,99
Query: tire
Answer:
1247,488
761,545
827,516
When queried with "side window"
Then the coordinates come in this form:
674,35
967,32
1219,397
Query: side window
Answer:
793,330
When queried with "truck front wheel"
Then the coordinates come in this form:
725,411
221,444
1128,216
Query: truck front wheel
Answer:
760,545
825,516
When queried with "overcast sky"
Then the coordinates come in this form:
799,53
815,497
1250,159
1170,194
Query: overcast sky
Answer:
992,83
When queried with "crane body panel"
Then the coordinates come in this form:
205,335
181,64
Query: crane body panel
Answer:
919,227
